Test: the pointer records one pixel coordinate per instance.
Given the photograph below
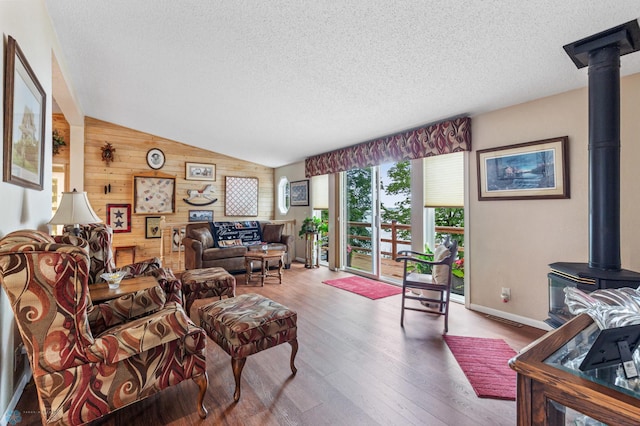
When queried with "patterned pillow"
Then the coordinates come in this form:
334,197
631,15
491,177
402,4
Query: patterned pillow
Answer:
441,272
272,233
204,235
230,243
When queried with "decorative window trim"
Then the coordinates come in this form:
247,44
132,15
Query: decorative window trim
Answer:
435,139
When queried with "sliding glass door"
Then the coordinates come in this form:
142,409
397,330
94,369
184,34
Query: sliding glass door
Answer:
378,212
361,205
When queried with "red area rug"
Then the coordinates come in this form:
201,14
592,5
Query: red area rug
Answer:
485,363
365,287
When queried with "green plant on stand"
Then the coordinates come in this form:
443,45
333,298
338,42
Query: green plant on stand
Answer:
313,225
312,229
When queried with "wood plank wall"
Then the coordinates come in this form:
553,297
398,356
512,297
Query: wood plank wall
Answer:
130,158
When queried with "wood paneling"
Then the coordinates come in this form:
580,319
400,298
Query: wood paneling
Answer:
130,158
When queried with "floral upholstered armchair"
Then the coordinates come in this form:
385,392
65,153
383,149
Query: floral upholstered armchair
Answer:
90,360
100,239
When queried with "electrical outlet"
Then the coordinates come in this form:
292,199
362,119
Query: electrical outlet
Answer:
505,294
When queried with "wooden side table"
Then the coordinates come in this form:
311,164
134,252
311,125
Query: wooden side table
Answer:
101,292
264,257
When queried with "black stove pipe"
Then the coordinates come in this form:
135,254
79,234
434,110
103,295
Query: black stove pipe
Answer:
604,158
601,52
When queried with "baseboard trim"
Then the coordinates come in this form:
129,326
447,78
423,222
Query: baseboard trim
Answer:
26,376
511,317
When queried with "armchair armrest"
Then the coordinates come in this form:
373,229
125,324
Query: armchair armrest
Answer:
140,335
124,308
290,242
193,250
141,268
72,240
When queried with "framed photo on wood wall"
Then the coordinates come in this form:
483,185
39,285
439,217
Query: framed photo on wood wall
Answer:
200,171
152,227
24,121
531,170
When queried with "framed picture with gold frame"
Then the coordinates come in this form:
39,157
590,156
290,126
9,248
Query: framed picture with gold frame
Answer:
154,193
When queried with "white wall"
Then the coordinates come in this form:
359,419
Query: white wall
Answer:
28,22
513,242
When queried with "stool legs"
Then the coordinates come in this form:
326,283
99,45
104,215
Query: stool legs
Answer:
237,364
294,351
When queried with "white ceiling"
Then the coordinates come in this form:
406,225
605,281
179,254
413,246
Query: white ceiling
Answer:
276,81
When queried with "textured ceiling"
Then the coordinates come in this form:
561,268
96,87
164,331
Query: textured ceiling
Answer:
276,81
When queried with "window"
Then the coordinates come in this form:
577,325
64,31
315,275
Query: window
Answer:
284,199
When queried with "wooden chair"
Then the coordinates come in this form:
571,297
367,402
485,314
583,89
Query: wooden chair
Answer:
427,279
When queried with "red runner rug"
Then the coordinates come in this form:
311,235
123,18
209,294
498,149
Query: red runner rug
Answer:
485,363
365,287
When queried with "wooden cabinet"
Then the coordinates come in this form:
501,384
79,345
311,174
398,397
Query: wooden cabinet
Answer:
550,393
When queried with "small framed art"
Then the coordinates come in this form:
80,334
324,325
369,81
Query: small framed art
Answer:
299,193
200,171
200,216
152,227
119,217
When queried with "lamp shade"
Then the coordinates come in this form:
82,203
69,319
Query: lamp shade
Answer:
74,209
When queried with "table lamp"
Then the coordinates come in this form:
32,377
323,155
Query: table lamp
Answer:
74,210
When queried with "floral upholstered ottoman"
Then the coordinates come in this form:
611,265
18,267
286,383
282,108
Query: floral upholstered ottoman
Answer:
248,324
205,283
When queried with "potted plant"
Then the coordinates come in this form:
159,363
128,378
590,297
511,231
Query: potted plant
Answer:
312,225
57,142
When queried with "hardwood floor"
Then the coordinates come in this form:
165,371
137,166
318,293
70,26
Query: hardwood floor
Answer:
356,366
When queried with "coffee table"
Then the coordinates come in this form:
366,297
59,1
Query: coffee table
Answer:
101,291
263,257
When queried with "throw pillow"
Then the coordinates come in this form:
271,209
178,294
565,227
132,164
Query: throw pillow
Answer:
441,272
272,233
230,243
204,236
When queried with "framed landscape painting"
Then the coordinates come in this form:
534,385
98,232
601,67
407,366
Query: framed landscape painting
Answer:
531,170
24,121
200,216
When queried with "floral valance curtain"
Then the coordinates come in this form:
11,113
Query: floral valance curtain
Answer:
441,138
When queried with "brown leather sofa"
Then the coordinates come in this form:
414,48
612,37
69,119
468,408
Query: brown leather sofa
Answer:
204,249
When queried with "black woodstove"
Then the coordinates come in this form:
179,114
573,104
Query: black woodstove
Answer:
601,53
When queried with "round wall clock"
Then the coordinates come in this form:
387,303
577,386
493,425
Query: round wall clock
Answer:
155,158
